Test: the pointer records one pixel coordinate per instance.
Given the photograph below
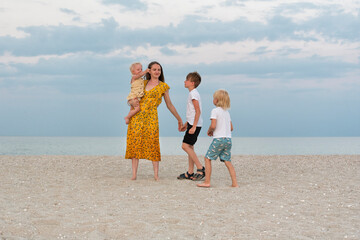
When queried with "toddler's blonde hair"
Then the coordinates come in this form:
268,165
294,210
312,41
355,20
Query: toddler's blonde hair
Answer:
133,65
223,99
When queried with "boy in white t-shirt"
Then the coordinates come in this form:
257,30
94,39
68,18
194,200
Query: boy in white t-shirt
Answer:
220,128
192,126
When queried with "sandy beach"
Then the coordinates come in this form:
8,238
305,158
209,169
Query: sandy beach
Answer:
92,197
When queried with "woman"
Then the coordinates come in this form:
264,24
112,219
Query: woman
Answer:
143,130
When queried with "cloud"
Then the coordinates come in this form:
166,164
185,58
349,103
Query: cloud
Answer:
109,35
68,11
8,59
300,12
129,4
101,74
252,51
145,14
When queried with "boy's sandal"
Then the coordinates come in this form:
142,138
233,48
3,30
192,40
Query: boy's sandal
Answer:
199,175
186,175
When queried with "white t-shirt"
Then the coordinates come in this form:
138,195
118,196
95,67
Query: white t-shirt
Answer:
190,109
223,123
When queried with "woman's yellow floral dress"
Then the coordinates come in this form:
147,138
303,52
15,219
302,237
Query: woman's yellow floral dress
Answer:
143,130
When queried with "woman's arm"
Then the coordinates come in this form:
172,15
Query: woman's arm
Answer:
172,109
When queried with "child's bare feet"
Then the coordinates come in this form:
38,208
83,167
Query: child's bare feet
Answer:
133,178
205,185
127,120
156,178
234,185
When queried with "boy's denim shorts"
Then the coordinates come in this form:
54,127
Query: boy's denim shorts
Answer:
220,147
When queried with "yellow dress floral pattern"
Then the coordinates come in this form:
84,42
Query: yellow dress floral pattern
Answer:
143,130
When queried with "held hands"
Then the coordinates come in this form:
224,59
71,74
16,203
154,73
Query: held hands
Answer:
183,127
180,126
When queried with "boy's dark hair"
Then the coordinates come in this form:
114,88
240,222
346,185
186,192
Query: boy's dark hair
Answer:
194,77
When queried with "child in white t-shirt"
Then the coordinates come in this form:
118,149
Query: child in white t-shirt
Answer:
192,126
220,129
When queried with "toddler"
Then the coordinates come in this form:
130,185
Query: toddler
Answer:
220,129
137,89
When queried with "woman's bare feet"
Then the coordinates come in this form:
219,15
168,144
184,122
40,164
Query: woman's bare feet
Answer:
133,178
234,185
205,185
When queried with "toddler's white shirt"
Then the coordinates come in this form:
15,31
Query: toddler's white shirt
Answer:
223,123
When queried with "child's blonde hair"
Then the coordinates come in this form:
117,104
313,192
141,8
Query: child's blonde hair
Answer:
223,99
133,65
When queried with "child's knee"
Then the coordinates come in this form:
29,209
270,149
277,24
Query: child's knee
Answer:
228,164
185,146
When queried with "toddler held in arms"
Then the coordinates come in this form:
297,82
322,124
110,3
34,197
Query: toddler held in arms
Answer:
137,89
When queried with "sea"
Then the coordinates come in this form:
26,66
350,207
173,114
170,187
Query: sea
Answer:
115,146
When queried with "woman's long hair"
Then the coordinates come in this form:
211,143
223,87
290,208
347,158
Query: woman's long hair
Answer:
161,77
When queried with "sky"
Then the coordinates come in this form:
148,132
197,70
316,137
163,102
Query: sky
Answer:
292,68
